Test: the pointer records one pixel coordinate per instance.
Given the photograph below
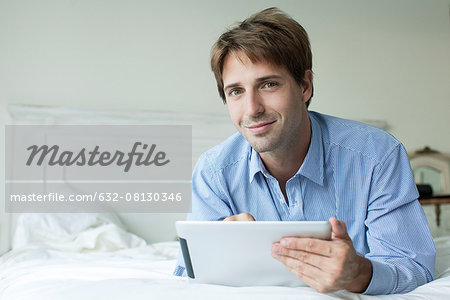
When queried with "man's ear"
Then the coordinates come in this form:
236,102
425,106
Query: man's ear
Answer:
307,86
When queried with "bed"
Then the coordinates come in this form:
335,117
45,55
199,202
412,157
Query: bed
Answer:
94,256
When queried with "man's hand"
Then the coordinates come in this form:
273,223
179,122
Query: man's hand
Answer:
326,266
240,217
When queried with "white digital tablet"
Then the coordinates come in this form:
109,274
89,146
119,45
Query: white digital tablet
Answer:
238,253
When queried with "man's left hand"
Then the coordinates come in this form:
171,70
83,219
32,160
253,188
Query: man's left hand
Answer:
326,266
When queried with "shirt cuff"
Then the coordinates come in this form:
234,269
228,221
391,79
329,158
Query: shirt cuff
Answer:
383,279
179,271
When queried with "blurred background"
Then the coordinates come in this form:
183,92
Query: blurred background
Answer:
383,62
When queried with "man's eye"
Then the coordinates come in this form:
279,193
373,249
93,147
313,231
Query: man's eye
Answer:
235,92
270,84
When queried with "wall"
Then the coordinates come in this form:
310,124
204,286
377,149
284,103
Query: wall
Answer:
379,60
384,59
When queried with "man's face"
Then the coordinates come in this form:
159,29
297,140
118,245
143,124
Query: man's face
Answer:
266,104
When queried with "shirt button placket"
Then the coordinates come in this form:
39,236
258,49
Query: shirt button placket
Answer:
295,191
281,202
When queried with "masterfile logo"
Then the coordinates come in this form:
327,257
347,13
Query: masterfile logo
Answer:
91,168
99,152
94,157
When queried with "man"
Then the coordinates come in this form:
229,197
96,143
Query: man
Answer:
290,164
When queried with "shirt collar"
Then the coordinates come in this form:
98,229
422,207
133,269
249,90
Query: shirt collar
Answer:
256,165
312,167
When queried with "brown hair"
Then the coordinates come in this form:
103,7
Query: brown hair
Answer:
269,35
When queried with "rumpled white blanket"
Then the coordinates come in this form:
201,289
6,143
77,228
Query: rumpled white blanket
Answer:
74,232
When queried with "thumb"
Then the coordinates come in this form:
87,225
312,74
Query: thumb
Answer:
338,229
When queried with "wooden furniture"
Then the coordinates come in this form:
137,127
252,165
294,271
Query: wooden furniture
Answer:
432,168
437,201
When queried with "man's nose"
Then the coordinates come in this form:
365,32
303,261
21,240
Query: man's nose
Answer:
254,104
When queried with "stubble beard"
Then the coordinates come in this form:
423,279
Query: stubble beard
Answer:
266,141
281,135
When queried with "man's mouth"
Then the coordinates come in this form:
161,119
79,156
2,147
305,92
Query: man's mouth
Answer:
259,127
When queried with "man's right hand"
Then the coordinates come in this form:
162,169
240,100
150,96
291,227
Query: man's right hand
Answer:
240,217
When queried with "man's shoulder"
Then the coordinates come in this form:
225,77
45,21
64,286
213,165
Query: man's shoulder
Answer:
356,137
229,152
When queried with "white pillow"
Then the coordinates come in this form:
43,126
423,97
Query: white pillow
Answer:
74,232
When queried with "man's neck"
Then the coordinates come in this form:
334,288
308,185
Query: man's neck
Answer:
284,163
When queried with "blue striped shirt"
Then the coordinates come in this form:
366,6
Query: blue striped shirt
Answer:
352,171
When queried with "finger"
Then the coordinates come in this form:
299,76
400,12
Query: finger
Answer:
304,272
240,217
230,218
319,261
248,217
316,278
339,229
312,245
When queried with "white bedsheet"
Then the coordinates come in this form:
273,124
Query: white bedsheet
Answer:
98,259
37,272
